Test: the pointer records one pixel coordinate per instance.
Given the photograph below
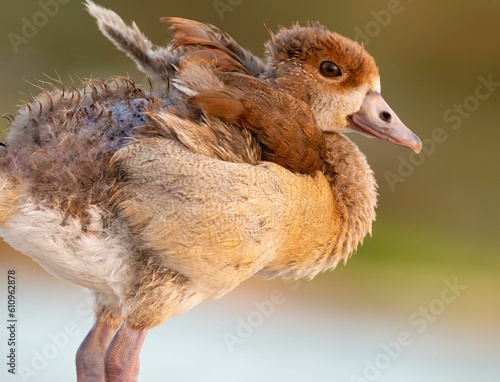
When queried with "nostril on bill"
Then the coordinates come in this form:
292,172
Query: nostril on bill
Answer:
385,116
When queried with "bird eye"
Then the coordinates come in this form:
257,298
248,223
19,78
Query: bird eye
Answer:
330,69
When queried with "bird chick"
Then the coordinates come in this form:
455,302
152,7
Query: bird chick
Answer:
94,192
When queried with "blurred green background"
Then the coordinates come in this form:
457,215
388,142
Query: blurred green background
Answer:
439,221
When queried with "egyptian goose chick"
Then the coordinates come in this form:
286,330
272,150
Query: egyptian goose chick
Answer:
154,228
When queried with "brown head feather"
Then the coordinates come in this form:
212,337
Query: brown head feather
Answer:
315,43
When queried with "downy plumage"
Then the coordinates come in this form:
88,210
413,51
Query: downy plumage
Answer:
157,202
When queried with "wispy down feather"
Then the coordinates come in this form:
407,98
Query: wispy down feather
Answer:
155,62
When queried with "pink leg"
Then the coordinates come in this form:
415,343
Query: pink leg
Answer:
90,354
122,355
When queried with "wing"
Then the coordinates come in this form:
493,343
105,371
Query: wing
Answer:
160,63
193,33
283,124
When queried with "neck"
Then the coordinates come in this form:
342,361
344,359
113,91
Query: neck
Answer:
354,190
334,217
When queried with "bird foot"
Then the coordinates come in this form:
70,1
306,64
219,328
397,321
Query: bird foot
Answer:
90,354
122,355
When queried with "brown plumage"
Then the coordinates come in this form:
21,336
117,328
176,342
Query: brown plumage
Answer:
123,191
193,35
295,59
284,125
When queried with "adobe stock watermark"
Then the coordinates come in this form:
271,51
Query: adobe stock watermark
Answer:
56,344
455,116
246,326
224,6
31,25
418,321
380,20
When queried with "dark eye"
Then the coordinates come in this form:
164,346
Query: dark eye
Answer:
330,69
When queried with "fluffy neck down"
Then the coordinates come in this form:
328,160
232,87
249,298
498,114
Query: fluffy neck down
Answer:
337,224
354,190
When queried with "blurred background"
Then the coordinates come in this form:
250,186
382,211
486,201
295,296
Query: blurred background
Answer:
419,301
